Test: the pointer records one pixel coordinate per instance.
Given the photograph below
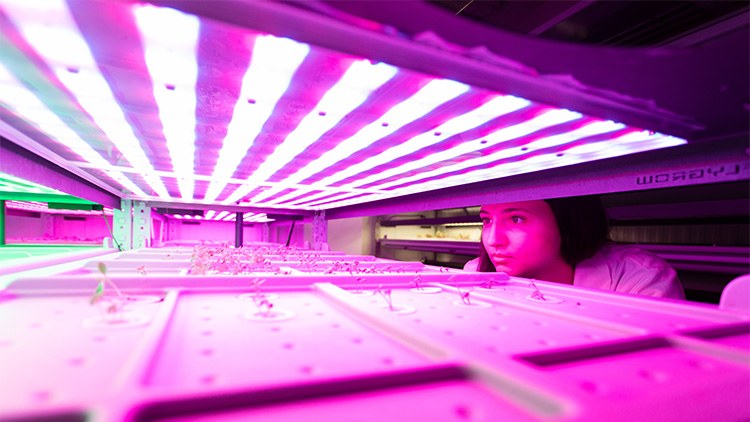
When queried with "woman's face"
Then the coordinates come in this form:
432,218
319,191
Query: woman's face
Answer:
521,238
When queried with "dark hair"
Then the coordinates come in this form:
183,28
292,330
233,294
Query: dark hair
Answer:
583,225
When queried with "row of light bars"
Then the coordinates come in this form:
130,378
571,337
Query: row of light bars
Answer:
434,159
41,207
212,215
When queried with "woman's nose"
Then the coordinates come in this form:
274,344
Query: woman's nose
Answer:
496,235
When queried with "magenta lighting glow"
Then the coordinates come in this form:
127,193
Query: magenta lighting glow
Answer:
212,215
155,104
41,207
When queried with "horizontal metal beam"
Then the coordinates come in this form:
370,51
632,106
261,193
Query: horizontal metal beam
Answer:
21,163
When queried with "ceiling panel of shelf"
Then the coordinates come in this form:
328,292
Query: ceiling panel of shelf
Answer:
160,105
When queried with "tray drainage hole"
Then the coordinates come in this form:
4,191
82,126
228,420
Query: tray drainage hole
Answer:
417,320
388,361
547,342
207,352
307,369
307,304
335,325
502,313
678,325
698,364
591,387
76,361
207,333
432,307
461,316
320,313
58,312
275,329
99,339
208,379
541,324
35,325
5,343
288,346
357,340
206,318
206,307
624,315
492,349
448,332
462,411
42,396
653,376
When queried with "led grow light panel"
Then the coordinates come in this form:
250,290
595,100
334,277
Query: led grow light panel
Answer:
193,110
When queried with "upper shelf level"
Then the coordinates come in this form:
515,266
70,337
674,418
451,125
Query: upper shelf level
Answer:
297,110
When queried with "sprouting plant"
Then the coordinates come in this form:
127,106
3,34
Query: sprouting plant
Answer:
264,305
465,296
536,294
116,305
490,283
335,267
360,281
418,281
386,294
256,284
141,270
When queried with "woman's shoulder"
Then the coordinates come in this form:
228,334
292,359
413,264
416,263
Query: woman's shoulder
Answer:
628,268
626,254
472,265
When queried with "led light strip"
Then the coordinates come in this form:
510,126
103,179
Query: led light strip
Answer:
491,109
545,120
626,144
18,98
273,64
504,135
585,131
61,45
590,129
170,40
430,96
360,80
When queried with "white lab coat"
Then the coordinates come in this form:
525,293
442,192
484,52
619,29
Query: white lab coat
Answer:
624,269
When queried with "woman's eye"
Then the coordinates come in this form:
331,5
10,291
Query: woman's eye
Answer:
517,219
486,221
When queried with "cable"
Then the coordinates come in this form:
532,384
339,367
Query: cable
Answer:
114,239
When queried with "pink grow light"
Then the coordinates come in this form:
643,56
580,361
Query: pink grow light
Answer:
192,110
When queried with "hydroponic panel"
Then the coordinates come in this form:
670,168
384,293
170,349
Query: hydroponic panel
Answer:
404,343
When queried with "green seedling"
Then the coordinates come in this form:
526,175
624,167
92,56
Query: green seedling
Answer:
465,296
386,294
116,305
536,294
417,281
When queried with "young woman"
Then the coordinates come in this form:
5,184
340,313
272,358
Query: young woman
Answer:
565,240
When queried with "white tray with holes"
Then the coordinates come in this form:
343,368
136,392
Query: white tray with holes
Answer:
409,345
